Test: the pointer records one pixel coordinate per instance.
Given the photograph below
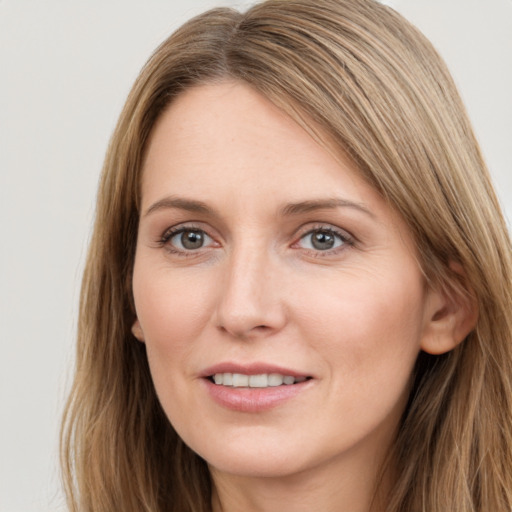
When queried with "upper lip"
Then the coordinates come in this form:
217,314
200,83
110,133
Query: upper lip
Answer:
256,368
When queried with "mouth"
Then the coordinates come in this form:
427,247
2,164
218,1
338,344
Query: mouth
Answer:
254,387
262,380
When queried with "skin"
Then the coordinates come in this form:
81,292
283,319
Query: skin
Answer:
353,317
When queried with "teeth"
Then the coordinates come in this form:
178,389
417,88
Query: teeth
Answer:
264,380
258,381
274,379
240,380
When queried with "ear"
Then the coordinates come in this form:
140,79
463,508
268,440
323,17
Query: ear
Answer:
137,331
450,317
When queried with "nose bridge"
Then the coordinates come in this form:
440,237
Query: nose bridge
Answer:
250,301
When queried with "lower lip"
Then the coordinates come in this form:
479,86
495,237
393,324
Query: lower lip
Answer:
254,399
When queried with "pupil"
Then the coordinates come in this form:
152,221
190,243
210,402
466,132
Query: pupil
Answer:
192,239
323,240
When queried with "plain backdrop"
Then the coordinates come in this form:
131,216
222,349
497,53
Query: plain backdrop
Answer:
65,70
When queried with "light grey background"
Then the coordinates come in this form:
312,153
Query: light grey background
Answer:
65,70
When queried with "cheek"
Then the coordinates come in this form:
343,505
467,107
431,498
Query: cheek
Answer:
369,326
172,313
368,333
170,305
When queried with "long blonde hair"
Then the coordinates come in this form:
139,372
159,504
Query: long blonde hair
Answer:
357,74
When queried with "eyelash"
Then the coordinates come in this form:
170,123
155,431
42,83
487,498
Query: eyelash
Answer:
170,233
346,239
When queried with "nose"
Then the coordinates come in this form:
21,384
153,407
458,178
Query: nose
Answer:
252,299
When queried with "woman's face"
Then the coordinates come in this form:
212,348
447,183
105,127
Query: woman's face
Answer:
278,295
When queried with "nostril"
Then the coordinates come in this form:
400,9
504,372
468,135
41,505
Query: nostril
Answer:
242,332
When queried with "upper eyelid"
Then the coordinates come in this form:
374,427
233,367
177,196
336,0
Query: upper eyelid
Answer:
185,226
326,226
329,228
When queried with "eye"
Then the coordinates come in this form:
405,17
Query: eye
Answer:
322,240
187,239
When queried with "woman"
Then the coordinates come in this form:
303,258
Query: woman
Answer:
298,289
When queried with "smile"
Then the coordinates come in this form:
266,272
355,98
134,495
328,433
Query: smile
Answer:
263,380
254,387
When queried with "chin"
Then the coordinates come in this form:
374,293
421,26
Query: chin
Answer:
252,459
255,466
277,458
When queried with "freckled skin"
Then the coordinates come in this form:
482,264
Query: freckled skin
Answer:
353,317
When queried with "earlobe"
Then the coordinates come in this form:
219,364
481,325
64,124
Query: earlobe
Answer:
450,317
137,331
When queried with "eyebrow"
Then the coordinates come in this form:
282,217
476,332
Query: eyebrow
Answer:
180,203
291,209
322,204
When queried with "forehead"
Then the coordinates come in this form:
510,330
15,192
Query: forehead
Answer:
226,135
